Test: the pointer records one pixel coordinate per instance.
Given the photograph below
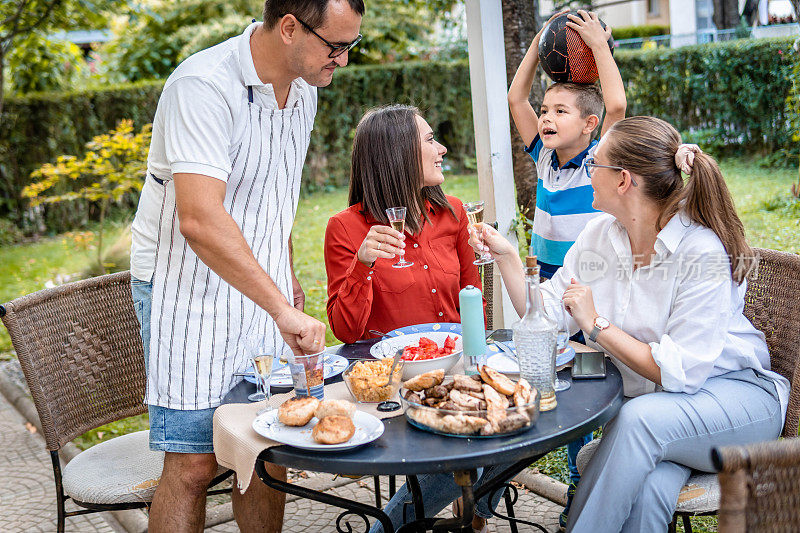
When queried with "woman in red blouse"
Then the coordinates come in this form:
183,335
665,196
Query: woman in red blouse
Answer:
396,163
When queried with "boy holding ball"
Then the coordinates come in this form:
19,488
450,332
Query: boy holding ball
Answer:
560,141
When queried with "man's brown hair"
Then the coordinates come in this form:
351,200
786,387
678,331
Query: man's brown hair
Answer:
588,97
386,167
312,12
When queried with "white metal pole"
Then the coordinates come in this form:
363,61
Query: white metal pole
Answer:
487,73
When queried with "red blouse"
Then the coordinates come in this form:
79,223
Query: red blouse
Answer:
361,298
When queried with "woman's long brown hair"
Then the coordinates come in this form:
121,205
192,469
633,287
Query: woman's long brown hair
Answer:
386,167
646,147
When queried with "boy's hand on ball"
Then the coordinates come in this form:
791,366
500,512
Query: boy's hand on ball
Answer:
589,28
535,42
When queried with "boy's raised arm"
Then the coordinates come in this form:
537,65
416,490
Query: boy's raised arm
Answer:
589,28
525,118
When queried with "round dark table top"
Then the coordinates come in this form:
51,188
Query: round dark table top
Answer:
404,449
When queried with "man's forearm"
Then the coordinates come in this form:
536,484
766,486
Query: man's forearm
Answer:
219,243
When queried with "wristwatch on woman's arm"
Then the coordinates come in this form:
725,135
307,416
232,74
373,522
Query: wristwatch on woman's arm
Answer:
600,323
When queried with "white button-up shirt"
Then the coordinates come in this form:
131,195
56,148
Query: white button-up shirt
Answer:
684,304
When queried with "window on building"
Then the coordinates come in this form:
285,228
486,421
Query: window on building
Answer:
652,7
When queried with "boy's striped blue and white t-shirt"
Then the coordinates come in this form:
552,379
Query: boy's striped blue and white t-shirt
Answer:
563,201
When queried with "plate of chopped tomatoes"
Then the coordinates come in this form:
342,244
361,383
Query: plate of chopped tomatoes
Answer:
422,352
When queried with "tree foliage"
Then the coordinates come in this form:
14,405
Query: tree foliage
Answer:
42,64
18,18
157,37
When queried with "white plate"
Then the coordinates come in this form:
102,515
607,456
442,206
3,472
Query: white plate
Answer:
505,364
368,429
282,376
388,346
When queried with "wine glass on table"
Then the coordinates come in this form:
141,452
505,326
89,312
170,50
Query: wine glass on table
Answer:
555,310
475,216
261,357
397,218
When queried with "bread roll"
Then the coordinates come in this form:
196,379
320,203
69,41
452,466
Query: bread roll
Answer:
425,381
297,411
333,429
335,407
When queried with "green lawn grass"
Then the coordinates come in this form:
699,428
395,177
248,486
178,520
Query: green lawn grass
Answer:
25,268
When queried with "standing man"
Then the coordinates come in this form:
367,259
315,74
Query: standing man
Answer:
211,253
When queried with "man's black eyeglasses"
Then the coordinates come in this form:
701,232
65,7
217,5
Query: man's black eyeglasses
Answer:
590,165
336,49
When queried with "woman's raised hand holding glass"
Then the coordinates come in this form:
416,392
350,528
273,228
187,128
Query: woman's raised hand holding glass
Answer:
380,242
475,215
397,218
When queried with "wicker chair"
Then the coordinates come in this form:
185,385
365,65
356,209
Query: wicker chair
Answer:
772,304
760,486
80,350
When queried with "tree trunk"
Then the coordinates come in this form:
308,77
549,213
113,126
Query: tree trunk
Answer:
796,8
2,79
520,24
726,14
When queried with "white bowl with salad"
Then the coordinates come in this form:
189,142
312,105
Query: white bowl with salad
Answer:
422,352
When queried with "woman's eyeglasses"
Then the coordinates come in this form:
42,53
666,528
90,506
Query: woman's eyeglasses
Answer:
336,49
590,165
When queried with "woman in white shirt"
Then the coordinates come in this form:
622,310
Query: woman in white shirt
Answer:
658,284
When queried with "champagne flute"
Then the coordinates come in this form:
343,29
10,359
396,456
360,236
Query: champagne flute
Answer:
261,358
397,218
475,215
555,310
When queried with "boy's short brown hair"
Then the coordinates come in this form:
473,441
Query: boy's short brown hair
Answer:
588,97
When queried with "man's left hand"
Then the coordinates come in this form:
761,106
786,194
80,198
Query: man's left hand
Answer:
299,295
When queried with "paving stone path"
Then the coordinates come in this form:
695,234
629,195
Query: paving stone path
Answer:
27,493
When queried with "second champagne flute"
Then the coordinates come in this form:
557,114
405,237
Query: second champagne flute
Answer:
397,218
261,359
475,215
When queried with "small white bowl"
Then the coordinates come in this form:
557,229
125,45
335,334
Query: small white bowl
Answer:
389,346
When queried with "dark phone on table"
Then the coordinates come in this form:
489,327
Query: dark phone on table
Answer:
589,365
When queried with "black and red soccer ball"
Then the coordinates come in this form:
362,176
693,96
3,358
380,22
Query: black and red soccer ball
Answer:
563,54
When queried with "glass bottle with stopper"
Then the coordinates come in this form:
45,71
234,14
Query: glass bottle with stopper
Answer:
535,337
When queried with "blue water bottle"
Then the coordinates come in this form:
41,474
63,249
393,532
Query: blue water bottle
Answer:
473,329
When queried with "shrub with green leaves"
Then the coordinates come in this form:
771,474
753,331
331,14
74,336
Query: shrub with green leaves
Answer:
37,63
733,91
110,172
632,32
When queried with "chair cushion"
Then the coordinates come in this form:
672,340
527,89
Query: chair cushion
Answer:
120,470
700,494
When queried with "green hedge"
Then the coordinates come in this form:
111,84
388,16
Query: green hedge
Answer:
37,128
632,32
731,93
727,94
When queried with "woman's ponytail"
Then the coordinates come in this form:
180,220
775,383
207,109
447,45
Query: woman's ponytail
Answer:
708,202
651,148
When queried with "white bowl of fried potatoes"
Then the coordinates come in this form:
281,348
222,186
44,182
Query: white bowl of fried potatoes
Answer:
487,404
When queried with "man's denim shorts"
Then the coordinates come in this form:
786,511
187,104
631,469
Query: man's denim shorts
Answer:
171,430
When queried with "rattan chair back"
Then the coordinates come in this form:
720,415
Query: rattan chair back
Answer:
760,487
772,304
80,349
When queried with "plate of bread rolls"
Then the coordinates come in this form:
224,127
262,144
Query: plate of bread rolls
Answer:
320,425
